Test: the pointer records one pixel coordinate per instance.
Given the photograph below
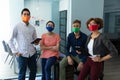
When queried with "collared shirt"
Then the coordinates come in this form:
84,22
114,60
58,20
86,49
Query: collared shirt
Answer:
73,43
24,35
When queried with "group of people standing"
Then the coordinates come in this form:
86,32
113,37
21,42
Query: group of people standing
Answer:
89,52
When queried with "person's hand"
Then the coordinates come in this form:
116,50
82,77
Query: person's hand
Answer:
80,66
79,52
96,59
53,48
70,61
18,54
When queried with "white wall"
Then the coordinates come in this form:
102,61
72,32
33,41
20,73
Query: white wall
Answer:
10,15
85,9
40,10
82,10
4,22
63,5
15,7
14,13
55,15
76,9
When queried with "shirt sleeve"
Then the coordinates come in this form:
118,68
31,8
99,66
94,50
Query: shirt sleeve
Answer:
12,41
34,34
58,39
108,44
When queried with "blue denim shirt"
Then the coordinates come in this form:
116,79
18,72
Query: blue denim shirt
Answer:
73,44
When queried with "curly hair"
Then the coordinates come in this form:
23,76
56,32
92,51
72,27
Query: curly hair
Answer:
98,21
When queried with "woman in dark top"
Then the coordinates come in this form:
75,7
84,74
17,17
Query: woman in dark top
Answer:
99,50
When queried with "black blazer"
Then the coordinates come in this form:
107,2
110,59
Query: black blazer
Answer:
102,46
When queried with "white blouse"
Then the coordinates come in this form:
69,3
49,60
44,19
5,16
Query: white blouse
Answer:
90,46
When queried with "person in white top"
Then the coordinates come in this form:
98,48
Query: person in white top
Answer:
99,49
24,33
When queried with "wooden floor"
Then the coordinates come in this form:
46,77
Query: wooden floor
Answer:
112,69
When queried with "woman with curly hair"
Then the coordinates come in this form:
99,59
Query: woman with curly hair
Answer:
99,49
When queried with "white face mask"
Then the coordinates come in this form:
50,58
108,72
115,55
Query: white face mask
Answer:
37,47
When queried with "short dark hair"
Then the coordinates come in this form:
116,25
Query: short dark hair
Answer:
77,21
98,21
51,22
25,9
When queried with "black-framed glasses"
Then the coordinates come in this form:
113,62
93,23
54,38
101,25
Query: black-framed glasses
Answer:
26,14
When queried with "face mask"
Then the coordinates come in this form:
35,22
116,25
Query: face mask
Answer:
49,28
93,27
37,47
74,29
25,18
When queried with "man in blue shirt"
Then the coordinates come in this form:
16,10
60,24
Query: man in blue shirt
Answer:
75,49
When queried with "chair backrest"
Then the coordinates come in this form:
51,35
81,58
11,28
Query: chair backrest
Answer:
5,46
9,50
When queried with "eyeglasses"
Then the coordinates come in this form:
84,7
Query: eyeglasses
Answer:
26,14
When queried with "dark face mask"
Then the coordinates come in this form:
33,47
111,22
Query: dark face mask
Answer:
49,28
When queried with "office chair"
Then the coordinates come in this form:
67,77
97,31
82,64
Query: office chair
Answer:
4,45
5,49
12,56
